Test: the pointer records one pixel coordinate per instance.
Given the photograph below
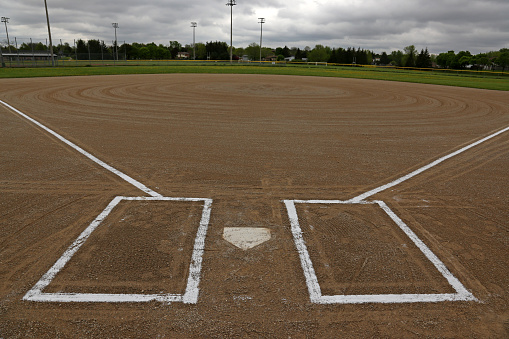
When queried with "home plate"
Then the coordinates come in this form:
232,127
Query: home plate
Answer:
246,237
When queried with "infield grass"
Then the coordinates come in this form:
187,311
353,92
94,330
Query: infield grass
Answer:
482,80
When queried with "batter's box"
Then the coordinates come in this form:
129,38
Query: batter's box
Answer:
364,253
136,250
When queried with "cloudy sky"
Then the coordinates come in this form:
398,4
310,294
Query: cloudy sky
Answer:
379,25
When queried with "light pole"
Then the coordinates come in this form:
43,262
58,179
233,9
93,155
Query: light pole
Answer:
49,33
231,3
194,24
6,21
262,21
115,25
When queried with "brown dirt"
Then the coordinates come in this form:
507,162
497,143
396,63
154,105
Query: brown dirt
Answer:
249,142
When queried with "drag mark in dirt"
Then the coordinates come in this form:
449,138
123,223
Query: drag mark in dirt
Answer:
122,175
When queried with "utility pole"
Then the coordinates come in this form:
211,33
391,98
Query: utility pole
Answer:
194,24
115,25
231,3
6,21
49,33
262,21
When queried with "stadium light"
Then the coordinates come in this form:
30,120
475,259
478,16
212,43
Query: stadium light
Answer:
231,3
194,24
262,21
115,25
49,33
6,21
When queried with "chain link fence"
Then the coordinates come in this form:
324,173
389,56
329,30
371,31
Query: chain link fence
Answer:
28,52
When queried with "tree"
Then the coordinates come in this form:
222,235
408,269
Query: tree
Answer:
410,56
253,51
319,53
503,60
397,58
218,50
446,60
384,59
423,60
175,48
81,46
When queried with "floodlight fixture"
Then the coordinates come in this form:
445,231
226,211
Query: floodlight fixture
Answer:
6,21
231,3
194,24
115,25
261,22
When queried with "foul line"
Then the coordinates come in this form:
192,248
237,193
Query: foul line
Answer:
314,290
190,296
374,191
124,176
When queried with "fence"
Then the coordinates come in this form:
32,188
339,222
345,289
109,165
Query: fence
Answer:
26,52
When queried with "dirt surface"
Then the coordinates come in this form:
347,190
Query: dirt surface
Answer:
249,142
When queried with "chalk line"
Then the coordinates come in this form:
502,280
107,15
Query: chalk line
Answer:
192,289
424,168
122,175
315,294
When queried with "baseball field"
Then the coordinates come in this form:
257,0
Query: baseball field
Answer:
252,205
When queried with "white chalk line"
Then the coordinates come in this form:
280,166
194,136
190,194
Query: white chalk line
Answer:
462,294
192,289
311,279
424,168
122,175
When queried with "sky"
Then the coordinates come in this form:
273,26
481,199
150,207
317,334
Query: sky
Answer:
378,25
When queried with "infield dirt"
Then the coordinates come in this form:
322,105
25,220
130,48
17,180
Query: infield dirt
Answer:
249,142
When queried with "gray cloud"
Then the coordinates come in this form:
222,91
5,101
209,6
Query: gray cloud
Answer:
380,25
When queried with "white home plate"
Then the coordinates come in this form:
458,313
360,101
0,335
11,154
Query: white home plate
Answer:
246,237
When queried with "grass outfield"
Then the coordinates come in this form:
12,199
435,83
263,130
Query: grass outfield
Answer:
459,79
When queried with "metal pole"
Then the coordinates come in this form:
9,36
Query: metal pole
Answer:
115,25
262,21
2,64
33,53
49,33
5,21
194,24
231,3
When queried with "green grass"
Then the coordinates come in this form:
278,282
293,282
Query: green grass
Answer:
498,81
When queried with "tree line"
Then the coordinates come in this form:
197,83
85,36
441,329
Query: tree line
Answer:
218,50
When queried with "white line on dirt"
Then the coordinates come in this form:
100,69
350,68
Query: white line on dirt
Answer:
75,246
314,289
313,285
124,176
424,168
192,289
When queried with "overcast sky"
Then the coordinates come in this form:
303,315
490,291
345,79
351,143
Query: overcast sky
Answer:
379,25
